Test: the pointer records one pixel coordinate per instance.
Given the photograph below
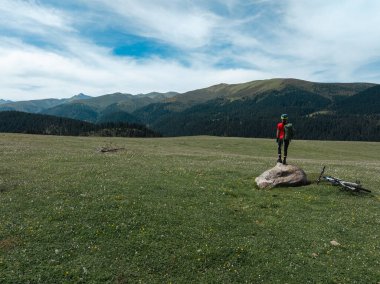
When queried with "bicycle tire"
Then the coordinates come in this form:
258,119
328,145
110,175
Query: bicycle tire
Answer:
353,186
366,190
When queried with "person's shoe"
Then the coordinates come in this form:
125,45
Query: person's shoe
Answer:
279,160
284,161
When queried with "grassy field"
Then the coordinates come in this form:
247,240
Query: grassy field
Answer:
183,210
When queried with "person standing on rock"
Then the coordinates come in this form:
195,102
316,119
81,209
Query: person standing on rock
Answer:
283,137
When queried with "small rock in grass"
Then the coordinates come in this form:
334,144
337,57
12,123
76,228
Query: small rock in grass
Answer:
335,243
314,254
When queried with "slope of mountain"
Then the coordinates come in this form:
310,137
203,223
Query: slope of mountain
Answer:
116,113
117,116
365,102
74,110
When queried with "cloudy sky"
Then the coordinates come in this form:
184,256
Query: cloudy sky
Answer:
55,48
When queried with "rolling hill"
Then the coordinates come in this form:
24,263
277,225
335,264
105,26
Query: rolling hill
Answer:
257,88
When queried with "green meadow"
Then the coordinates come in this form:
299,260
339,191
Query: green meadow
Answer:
184,210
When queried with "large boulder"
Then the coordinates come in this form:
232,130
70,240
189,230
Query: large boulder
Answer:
282,175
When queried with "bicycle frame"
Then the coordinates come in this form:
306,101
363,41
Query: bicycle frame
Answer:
356,187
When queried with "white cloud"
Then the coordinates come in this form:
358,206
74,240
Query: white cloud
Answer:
313,40
30,16
338,36
27,71
176,22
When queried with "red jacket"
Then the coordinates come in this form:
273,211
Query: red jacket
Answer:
281,130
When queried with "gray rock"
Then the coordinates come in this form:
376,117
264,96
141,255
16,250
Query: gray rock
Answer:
282,175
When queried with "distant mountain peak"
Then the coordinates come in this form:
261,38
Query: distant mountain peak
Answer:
80,96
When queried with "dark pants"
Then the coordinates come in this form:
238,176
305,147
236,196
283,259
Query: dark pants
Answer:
286,145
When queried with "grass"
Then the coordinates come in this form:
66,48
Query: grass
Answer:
183,210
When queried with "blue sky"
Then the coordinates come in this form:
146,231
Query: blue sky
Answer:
56,49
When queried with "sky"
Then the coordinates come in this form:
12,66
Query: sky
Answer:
57,49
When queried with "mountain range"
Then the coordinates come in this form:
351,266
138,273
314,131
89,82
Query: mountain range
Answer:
319,110
91,109
36,106
4,101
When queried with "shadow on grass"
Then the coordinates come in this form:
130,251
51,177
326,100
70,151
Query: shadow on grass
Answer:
7,186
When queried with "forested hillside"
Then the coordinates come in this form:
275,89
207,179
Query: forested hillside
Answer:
21,122
354,117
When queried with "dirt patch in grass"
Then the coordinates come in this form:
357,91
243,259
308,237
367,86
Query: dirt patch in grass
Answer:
9,243
110,149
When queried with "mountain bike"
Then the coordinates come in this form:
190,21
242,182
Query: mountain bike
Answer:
344,185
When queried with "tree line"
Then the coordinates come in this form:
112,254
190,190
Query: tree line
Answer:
28,123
